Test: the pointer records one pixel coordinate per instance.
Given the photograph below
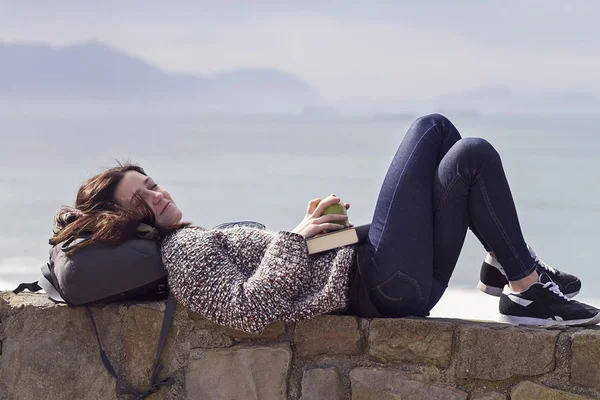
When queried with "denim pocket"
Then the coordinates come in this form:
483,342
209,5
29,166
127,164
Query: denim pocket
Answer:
399,295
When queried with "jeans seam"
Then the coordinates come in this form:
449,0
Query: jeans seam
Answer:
398,182
517,277
497,222
484,239
446,195
523,274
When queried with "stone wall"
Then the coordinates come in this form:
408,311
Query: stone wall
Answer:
48,351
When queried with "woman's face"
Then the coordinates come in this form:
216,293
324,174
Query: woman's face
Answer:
164,208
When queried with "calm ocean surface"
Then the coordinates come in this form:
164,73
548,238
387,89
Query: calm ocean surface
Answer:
265,169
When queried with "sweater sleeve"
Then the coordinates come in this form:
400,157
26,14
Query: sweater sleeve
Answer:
206,279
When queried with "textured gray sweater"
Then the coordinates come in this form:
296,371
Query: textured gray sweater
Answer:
246,278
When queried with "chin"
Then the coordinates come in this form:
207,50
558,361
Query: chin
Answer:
178,217
172,219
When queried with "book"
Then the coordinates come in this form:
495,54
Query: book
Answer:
339,238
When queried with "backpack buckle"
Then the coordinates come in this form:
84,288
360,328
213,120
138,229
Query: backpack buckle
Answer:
162,288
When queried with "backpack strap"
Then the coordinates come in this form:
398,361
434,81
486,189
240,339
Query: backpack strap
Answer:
155,385
32,287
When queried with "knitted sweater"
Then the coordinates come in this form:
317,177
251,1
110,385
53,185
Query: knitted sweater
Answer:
246,278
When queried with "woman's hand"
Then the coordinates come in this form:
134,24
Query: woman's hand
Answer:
314,222
347,206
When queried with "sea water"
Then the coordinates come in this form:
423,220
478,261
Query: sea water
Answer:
266,169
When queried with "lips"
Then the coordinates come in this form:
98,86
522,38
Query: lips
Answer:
163,210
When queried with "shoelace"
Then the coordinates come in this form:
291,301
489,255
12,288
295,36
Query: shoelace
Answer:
544,265
553,287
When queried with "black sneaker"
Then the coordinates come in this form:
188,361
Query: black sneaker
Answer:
544,304
492,278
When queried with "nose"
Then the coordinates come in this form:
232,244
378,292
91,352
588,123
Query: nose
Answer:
157,197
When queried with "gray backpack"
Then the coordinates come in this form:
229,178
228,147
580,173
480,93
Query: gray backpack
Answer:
100,275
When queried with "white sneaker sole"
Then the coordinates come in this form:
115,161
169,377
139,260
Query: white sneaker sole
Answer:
496,291
491,290
511,319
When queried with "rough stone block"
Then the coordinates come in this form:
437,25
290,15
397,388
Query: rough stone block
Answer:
271,331
142,324
387,384
3,388
322,383
489,396
50,351
239,372
413,340
532,391
585,365
208,339
496,353
327,335
142,330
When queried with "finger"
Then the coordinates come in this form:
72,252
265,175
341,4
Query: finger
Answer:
330,226
328,201
347,205
330,218
312,205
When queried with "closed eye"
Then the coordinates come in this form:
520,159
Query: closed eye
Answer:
153,186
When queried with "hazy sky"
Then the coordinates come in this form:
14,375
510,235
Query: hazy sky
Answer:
354,52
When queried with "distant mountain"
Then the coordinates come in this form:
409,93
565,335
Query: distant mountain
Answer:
503,100
92,73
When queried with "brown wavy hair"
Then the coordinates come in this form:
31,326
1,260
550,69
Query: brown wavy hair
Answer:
97,212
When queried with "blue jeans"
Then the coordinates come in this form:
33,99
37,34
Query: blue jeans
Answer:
437,186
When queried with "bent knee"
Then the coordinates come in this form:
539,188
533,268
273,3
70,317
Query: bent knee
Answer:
477,148
433,119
